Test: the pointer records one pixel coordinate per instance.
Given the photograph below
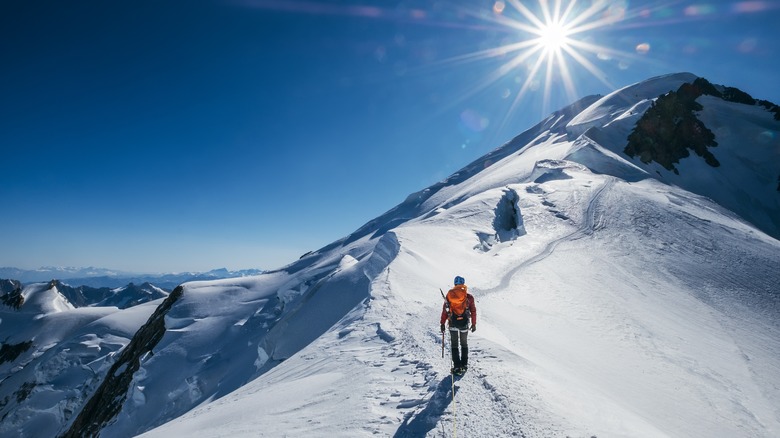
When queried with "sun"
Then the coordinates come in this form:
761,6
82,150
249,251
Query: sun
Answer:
548,48
538,51
553,37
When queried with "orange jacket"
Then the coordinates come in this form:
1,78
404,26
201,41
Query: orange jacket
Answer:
472,308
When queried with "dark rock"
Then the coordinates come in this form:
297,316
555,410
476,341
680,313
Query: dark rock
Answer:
670,128
9,352
9,286
14,298
108,399
771,107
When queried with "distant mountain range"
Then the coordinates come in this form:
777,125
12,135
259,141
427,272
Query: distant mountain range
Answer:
101,277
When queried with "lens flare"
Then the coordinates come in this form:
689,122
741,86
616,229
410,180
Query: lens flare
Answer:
546,48
533,52
473,120
751,6
551,38
699,10
643,48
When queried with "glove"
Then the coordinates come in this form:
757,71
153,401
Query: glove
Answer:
442,328
473,328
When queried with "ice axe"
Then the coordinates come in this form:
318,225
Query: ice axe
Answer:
442,333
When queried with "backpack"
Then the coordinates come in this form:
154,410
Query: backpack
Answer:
458,306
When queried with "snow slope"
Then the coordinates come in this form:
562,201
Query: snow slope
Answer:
610,303
584,328
54,354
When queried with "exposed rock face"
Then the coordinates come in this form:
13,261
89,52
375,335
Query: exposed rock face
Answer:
13,299
771,107
9,286
107,401
669,128
9,352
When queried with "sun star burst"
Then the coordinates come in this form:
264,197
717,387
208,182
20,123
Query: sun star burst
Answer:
553,36
550,45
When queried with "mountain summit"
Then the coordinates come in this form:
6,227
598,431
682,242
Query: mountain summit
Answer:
623,254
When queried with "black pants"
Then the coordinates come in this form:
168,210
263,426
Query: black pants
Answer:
460,337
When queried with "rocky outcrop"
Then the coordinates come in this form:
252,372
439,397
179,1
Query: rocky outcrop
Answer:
771,107
9,352
669,129
9,286
107,401
14,298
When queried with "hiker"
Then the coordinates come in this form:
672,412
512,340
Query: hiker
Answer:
459,308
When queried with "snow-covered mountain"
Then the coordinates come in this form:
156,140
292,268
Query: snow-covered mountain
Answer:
616,296
122,297
100,277
46,273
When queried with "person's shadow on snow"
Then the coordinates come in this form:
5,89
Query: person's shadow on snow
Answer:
426,420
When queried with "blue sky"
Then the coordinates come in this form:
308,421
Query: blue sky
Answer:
158,136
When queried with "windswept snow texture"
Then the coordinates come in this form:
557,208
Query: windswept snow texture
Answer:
54,355
610,302
614,299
